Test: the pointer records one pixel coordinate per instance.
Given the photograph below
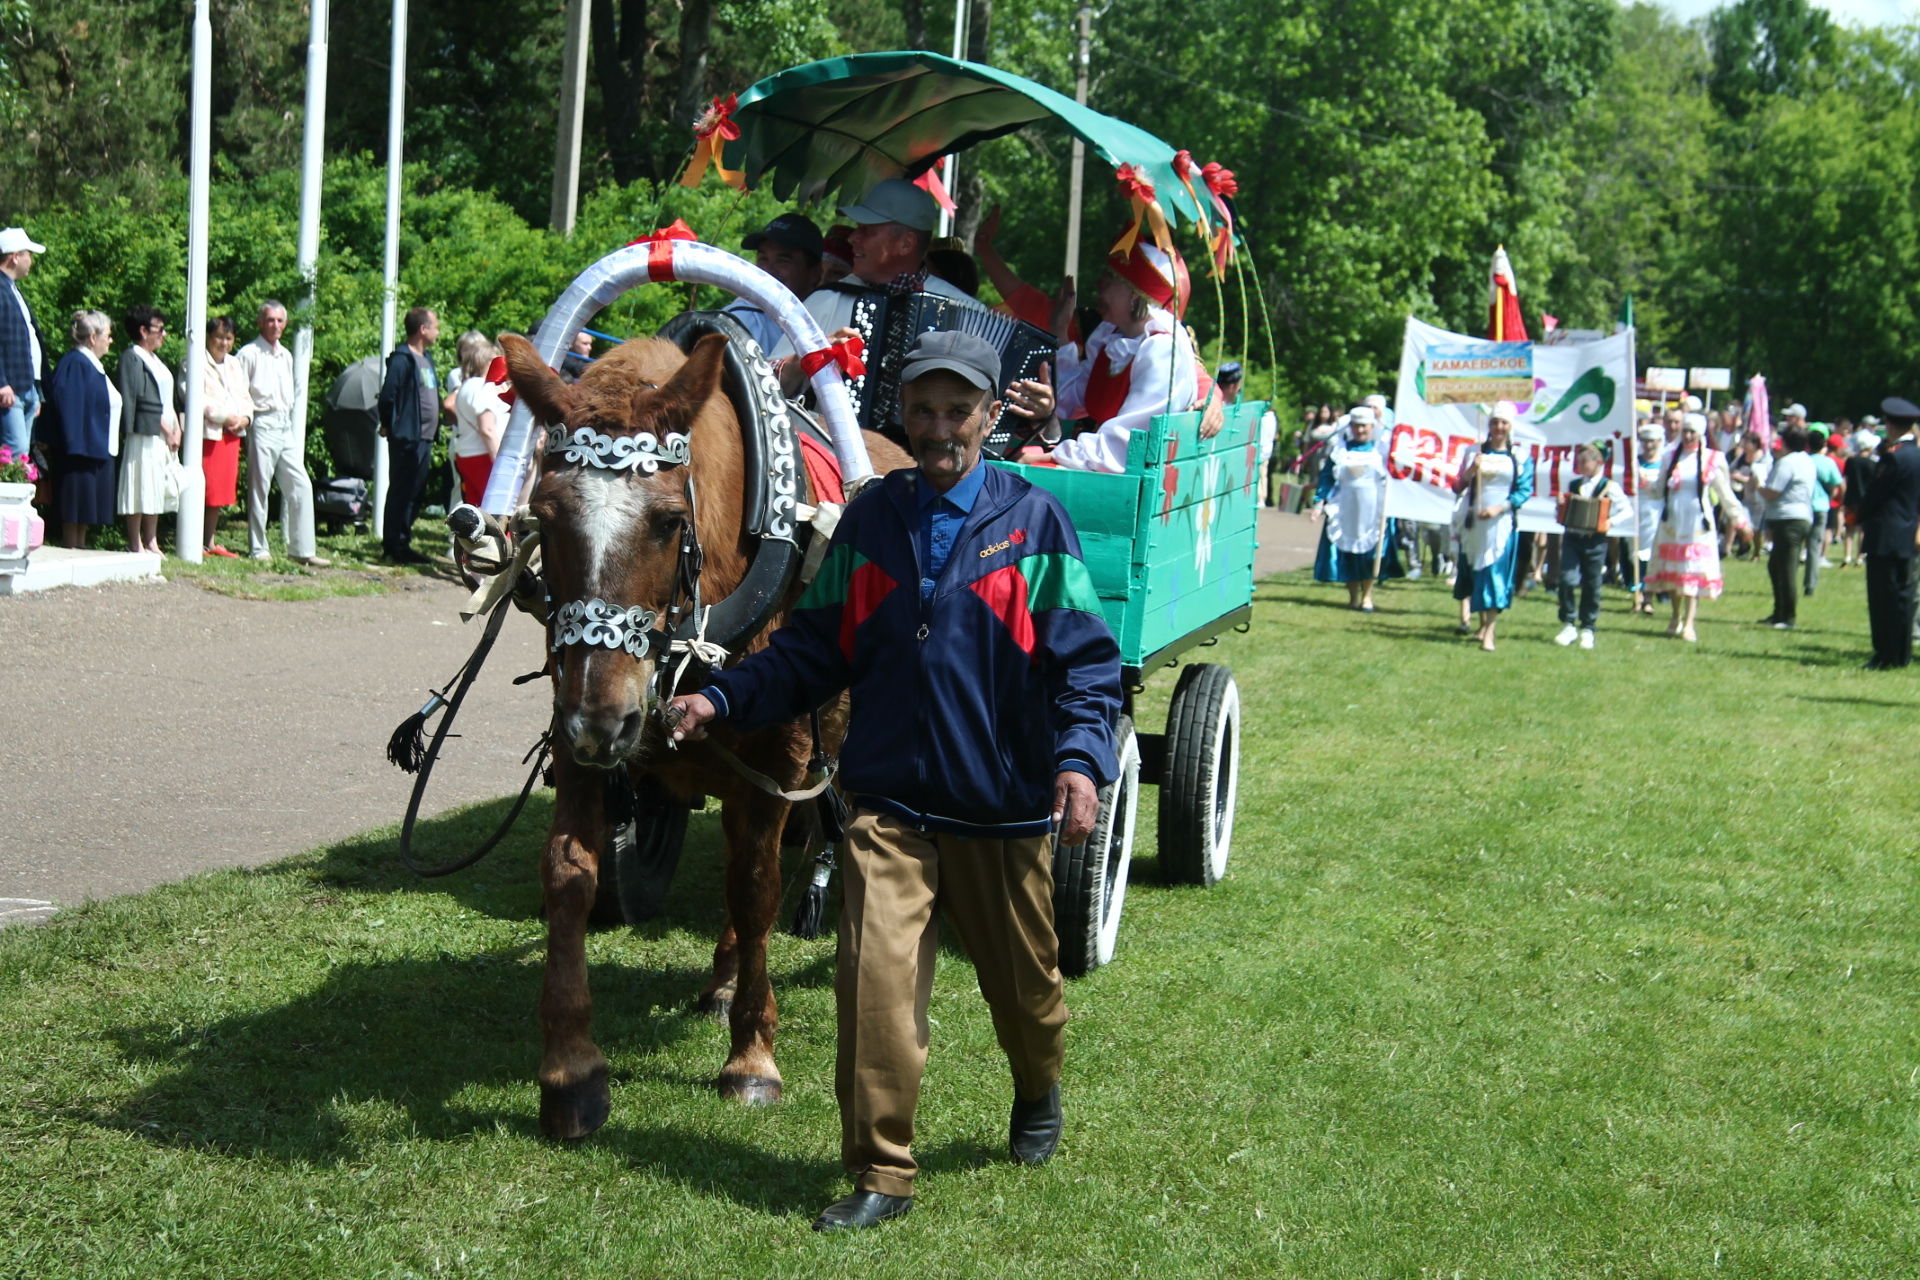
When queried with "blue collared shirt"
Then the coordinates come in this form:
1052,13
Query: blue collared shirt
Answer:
941,515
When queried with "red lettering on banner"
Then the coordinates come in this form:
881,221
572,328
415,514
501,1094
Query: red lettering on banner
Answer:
1401,430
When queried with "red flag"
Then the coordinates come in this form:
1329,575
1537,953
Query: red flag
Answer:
1504,321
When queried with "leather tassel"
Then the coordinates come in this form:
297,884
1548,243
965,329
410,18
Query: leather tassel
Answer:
812,912
407,748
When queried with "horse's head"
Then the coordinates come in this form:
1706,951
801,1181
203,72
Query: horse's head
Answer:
615,502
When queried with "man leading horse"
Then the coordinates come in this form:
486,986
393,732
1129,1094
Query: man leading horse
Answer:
955,608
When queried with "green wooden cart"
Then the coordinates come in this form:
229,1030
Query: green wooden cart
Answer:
1170,545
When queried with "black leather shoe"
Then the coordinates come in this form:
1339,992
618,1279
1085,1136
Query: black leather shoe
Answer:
862,1209
1034,1130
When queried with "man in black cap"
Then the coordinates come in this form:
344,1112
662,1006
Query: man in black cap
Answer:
788,249
1890,523
955,609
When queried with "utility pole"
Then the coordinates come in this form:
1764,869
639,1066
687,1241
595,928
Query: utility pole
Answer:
950,163
396,135
312,153
1077,172
573,97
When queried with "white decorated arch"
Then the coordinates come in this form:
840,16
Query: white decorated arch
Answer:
661,259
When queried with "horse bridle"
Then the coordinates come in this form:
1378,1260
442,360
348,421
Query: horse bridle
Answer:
635,629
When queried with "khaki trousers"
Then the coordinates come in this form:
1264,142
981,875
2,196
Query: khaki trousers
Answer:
275,454
999,896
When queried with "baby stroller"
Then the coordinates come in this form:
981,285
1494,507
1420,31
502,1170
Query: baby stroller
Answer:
351,427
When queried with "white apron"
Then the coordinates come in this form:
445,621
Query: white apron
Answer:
1359,491
1484,542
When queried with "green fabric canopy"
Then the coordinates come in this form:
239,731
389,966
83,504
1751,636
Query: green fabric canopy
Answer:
841,125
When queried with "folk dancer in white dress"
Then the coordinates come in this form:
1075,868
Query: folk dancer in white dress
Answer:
1493,484
1357,543
1695,496
1646,507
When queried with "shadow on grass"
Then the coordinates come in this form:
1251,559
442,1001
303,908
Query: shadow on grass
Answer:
391,1048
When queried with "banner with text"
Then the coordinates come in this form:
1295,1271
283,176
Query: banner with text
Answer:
1577,394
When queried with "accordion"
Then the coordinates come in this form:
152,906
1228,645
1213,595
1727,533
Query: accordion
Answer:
889,323
1585,515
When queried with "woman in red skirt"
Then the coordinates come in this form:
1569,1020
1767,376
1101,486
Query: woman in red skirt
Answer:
228,413
479,416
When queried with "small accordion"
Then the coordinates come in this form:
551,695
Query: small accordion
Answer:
889,323
1584,515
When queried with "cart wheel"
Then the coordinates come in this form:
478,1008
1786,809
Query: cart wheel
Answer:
1090,879
1202,776
635,876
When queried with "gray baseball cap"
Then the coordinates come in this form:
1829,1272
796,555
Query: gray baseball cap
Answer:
972,358
894,200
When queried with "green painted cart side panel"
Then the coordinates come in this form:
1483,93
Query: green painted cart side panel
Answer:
1170,543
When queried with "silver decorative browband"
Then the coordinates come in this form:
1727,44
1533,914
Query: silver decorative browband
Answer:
597,623
642,451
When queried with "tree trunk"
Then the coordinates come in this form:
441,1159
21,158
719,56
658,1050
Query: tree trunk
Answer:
915,12
696,45
619,63
979,30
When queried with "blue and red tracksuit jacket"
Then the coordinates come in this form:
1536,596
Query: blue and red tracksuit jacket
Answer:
963,706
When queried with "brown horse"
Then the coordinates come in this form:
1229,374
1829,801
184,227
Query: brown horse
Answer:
613,544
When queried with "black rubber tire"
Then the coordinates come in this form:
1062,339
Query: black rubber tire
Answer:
1090,879
1201,781
634,879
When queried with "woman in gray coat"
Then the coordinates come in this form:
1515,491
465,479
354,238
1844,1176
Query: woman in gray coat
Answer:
149,428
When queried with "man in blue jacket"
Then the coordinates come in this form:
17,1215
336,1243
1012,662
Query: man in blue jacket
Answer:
954,606
410,420
22,354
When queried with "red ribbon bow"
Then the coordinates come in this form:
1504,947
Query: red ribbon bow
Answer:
711,132
660,249
497,376
718,118
849,355
1220,180
1133,183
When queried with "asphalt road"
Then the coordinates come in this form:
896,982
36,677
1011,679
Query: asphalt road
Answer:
152,730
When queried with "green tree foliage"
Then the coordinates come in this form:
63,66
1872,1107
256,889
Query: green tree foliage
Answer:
1749,178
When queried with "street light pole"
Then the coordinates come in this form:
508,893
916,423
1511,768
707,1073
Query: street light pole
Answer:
189,527
312,153
396,120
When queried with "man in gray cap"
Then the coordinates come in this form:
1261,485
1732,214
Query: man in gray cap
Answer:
892,228
788,249
1890,524
954,608
22,354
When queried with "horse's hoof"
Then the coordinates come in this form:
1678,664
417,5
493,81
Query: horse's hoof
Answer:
572,1112
752,1091
718,1007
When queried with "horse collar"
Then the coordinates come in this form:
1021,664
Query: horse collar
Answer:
642,451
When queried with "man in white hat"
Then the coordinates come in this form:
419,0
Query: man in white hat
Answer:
22,354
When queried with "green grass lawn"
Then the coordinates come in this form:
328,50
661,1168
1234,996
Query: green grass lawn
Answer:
1540,963
357,568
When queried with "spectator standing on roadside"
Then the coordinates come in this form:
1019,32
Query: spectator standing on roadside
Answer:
1789,492
479,418
276,444
1858,473
1890,522
149,429
1826,488
84,409
22,354
410,420
226,410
